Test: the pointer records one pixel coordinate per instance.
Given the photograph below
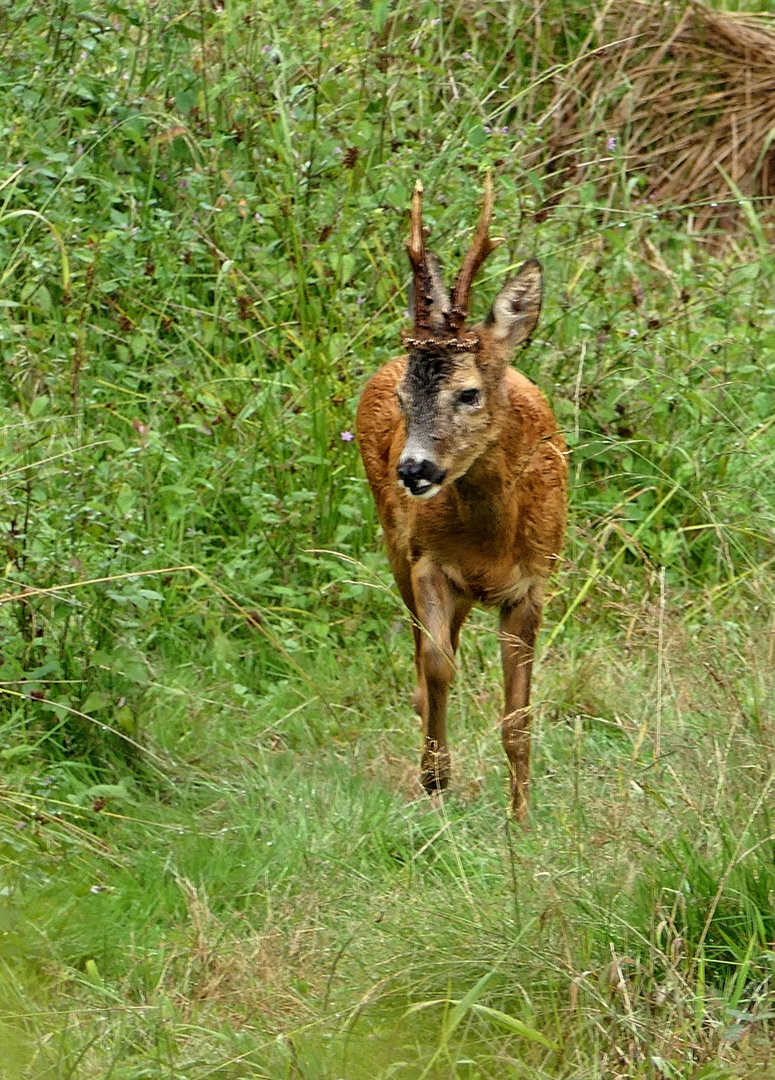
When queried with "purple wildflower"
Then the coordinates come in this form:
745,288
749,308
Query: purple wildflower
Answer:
346,436
610,143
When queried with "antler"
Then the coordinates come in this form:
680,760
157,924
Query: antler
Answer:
431,303
416,242
481,246
434,319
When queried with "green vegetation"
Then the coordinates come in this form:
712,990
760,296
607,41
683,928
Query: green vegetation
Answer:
216,857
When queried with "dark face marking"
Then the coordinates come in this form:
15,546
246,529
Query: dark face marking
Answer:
425,374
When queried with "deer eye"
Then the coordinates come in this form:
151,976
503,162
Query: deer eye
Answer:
469,397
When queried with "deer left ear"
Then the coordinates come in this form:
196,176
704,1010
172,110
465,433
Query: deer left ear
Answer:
514,314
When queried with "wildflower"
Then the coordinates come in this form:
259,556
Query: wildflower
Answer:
346,436
267,49
610,143
467,56
359,300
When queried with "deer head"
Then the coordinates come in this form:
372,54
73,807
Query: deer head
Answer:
452,393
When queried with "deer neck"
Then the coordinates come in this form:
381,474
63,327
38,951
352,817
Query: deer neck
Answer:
486,482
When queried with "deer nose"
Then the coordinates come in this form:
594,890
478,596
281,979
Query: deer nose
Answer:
419,476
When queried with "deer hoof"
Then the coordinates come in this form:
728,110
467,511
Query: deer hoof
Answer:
519,806
435,770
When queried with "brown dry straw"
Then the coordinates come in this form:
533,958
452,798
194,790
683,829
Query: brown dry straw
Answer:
687,94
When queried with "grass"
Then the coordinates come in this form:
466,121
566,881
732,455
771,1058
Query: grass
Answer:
216,857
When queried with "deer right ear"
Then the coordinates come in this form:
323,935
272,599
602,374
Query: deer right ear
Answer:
514,314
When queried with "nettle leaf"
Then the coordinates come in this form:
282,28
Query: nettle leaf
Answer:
380,11
117,792
476,136
96,701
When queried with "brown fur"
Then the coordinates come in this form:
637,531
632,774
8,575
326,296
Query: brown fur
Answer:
493,531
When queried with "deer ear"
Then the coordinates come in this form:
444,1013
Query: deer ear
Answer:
514,314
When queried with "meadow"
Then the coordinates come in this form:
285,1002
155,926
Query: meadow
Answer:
216,860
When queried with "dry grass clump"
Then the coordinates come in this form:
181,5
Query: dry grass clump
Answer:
225,970
683,95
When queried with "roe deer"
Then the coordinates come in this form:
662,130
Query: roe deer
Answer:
469,474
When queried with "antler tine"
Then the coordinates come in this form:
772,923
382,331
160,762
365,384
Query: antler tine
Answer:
481,246
416,243
417,256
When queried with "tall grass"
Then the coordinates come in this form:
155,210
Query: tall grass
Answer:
217,860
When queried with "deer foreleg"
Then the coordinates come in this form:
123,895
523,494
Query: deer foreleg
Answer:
519,627
440,615
402,572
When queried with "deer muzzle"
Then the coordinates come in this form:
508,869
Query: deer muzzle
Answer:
421,477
